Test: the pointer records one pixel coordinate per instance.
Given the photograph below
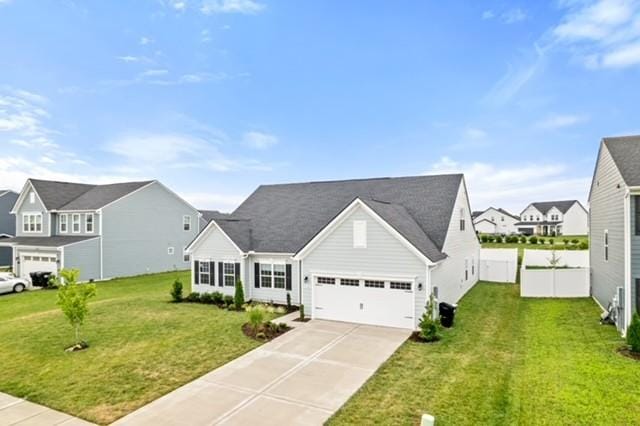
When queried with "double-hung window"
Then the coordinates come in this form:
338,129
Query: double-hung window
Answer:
186,222
273,275
229,270
185,255
32,222
278,275
64,223
88,223
205,273
462,221
75,223
266,276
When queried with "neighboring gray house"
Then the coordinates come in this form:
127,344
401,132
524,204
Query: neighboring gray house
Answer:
207,215
615,227
367,251
106,231
7,223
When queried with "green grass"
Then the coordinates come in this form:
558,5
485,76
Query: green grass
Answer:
141,347
507,361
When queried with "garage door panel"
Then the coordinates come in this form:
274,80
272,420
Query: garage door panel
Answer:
37,263
376,304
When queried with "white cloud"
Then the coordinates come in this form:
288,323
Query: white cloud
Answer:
47,160
513,15
561,120
179,5
205,36
150,152
23,119
514,187
145,40
247,7
259,140
488,14
154,72
515,79
605,33
133,59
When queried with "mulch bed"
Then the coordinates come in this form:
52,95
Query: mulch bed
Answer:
624,351
264,332
417,337
306,319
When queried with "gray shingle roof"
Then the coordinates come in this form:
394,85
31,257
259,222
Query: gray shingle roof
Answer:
80,196
625,151
55,241
544,206
284,218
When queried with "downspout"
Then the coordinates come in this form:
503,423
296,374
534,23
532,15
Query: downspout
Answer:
627,260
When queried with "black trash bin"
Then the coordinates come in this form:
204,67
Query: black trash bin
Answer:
447,314
40,279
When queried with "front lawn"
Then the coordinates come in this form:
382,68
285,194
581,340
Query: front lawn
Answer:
141,347
507,361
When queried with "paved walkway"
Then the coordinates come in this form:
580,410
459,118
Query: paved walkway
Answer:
16,411
300,378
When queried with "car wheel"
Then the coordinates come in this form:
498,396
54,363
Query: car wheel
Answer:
18,288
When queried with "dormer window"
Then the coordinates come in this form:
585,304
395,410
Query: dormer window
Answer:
462,221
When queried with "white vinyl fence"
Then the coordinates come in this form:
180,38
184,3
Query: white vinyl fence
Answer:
498,265
569,279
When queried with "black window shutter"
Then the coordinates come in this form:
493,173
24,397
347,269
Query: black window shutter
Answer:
256,280
237,272
287,276
221,274
212,273
196,272
637,215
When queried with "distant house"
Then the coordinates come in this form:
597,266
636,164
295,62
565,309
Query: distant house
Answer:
207,216
105,231
495,221
7,223
614,208
554,218
368,251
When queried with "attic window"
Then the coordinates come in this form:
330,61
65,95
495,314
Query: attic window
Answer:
359,234
462,221
32,197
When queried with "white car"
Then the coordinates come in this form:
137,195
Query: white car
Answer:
10,283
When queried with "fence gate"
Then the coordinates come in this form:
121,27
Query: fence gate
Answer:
498,265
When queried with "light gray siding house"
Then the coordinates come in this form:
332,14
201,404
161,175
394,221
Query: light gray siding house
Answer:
7,223
367,251
614,233
106,231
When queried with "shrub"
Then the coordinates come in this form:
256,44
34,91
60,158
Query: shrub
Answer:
430,327
542,240
217,298
302,312
583,245
238,298
498,239
575,241
193,297
206,298
289,308
566,242
484,238
552,241
176,291
227,300
523,239
533,239
633,334
256,317
490,238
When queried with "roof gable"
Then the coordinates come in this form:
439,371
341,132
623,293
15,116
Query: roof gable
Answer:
625,151
544,206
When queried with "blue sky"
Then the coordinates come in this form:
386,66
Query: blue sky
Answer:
215,97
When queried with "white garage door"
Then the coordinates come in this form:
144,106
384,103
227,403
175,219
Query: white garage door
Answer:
366,301
37,263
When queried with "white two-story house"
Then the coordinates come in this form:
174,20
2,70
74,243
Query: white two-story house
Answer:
105,231
554,218
495,221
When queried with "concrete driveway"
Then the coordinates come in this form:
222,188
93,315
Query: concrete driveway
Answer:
300,378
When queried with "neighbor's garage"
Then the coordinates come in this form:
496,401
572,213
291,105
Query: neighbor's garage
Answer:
366,301
37,262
